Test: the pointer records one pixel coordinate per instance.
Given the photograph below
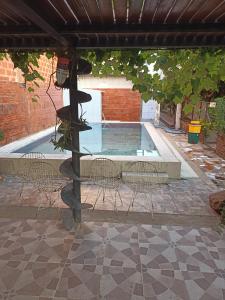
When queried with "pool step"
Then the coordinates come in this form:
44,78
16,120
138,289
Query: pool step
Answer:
145,177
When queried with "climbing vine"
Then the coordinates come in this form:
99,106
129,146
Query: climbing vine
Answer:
164,75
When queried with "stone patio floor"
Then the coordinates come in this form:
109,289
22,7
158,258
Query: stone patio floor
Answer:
188,197
41,260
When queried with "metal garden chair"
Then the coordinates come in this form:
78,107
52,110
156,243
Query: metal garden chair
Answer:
22,168
107,176
142,178
47,181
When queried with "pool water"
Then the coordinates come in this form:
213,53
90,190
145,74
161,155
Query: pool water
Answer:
130,139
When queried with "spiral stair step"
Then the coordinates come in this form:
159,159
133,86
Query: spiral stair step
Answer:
83,67
66,170
64,113
68,197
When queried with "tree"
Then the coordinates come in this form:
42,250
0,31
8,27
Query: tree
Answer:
176,74
164,75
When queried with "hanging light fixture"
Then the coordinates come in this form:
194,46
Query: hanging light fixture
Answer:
62,70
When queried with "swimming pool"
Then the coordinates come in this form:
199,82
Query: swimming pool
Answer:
114,139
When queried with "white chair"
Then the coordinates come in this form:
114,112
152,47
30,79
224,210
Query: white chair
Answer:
47,180
22,167
107,176
142,178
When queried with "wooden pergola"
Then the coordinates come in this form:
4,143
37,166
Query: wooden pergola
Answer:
42,24
27,25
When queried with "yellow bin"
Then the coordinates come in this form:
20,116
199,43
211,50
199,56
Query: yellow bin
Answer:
194,127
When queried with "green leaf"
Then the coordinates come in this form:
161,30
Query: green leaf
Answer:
30,89
49,54
188,108
194,99
188,89
145,96
177,100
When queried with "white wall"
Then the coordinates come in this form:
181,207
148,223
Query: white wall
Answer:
93,108
104,82
148,110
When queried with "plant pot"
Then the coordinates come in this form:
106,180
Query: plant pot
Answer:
220,145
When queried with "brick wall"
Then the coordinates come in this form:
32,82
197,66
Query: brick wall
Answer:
121,104
220,145
19,116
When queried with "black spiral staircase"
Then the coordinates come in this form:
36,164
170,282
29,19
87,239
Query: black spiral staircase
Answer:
70,168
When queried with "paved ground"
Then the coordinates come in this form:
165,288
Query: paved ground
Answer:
41,260
189,197
202,157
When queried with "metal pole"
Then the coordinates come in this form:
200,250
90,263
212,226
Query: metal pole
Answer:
76,207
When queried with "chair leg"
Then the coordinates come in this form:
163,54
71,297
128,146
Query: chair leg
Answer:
152,210
40,207
98,195
134,196
103,198
132,201
115,207
59,209
21,191
119,197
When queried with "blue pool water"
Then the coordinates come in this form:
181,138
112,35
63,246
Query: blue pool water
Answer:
131,139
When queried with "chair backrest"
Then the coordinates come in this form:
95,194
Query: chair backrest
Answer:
141,176
104,170
45,176
33,155
23,164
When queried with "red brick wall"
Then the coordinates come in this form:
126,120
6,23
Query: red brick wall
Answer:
19,116
121,105
220,145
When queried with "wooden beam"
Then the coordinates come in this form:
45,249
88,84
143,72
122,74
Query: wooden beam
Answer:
116,43
23,9
116,30
129,29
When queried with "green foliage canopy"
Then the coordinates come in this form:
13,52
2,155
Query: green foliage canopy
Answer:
164,75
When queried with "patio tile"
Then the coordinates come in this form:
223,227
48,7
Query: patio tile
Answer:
9,274
188,197
122,233
120,283
79,282
40,260
167,284
92,231
122,254
37,279
204,285
87,252
36,241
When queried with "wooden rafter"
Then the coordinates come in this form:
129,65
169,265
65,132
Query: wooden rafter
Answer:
22,9
212,11
171,8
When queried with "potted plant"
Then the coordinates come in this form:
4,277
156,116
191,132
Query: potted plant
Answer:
218,124
205,131
64,142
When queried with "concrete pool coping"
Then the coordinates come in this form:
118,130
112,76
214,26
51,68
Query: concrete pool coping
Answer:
169,161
